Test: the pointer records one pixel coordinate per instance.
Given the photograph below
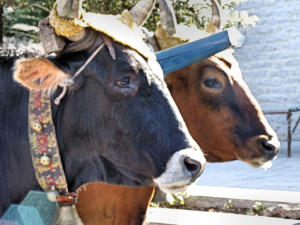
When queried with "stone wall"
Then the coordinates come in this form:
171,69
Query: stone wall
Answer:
270,58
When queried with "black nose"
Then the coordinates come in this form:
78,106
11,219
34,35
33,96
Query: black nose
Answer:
267,147
192,166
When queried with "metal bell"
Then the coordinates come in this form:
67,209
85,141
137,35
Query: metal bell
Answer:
45,160
52,195
37,126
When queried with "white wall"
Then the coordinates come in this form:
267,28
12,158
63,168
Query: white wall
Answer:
270,58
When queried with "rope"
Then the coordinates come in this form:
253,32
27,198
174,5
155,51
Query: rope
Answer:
64,91
88,61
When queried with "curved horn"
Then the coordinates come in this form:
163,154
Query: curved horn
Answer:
71,9
167,16
217,17
86,42
141,11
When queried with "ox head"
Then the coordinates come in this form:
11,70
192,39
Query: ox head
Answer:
117,122
221,113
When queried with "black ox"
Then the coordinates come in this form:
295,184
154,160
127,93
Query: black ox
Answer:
117,123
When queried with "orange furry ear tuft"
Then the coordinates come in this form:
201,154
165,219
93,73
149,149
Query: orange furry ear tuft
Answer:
39,73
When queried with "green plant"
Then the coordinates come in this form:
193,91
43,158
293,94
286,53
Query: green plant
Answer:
20,17
187,12
228,206
154,204
259,206
176,198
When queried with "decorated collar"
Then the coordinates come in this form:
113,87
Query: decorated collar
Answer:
45,155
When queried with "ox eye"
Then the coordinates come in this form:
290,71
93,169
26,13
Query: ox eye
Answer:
212,83
124,82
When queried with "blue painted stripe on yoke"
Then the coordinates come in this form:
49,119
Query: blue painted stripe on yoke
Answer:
186,54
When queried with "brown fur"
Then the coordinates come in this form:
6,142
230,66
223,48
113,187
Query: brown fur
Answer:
106,204
39,73
212,123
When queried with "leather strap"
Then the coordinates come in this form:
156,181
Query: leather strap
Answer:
43,144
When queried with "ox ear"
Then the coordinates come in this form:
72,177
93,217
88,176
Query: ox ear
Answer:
39,74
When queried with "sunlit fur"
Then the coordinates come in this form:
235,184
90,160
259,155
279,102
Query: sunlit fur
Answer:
227,122
39,74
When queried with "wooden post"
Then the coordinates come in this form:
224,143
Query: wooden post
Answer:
289,137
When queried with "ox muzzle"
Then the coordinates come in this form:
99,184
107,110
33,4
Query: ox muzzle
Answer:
182,169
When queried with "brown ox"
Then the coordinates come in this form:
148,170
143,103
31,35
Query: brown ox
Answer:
222,116
221,113
217,105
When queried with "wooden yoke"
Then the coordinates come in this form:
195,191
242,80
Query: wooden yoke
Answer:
51,42
107,204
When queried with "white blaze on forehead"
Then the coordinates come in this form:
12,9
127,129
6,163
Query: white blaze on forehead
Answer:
176,177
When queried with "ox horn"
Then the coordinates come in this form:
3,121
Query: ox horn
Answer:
71,9
167,16
141,11
216,18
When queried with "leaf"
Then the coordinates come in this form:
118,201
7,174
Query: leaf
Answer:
25,27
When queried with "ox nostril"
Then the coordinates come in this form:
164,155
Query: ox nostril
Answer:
267,147
191,165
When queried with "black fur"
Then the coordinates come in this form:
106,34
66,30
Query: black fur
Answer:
122,135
